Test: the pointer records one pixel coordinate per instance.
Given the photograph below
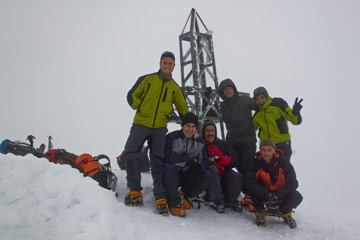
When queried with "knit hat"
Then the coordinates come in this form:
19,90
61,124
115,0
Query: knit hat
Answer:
167,54
267,142
190,118
260,90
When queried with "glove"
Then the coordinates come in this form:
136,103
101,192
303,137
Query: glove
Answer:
271,200
195,166
297,107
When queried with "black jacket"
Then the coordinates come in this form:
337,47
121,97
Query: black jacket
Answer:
237,115
280,171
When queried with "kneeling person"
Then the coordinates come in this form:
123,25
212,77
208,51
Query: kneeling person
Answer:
224,157
271,182
185,163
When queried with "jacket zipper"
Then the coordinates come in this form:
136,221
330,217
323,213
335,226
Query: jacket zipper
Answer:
267,125
157,107
164,98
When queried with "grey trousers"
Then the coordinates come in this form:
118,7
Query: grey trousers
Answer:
156,138
214,184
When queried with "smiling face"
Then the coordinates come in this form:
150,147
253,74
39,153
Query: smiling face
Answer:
189,129
167,65
210,133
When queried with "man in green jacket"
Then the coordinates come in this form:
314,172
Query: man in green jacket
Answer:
152,97
272,118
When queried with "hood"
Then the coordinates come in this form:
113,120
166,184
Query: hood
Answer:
207,123
226,83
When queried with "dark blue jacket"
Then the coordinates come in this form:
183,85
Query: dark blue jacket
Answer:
180,150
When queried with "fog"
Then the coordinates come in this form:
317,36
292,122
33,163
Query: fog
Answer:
66,67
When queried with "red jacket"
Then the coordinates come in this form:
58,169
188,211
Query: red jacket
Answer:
223,162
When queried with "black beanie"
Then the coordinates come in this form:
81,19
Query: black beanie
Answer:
190,118
260,90
167,54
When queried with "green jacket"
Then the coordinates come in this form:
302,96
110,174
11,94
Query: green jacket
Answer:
272,120
152,97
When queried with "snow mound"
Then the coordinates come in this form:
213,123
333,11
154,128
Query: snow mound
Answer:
41,200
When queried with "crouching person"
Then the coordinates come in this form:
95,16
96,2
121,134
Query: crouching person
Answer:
224,157
271,182
185,163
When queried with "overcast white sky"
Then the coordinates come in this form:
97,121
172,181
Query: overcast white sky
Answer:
66,67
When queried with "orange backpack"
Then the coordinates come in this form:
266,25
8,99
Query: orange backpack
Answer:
87,164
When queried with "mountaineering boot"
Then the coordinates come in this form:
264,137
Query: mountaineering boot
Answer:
187,203
246,202
178,210
162,206
219,206
288,219
134,198
234,205
260,218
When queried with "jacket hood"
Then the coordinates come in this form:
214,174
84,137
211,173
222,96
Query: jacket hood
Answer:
207,123
227,83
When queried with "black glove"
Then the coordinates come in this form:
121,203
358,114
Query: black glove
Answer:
271,200
195,166
297,107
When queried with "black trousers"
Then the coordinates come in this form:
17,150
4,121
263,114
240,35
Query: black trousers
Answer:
288,202
245,153
191,183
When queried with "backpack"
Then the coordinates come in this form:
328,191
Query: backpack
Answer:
21,148
100,172
144,162
61,156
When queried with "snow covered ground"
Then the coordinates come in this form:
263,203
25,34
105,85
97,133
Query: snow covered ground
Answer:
41,200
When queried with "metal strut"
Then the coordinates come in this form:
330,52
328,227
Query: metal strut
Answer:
197,61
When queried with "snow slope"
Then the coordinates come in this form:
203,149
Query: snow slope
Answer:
40,200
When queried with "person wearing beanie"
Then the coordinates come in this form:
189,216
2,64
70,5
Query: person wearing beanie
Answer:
190,118
237,114
272,119
271,183
186,162
152,96
224,158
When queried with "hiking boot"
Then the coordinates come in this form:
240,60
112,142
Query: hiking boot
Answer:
247,203
288,219
260,218
162,206
234,205
219,206
187,203
134,198
178,210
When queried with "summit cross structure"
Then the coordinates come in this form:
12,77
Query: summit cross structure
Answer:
197,61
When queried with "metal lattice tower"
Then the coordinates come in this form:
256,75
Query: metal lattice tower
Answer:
198,62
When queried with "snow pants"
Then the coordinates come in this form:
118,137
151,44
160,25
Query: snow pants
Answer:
156,138
286,148
245,153
289,202
192,184
232,183
214,183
